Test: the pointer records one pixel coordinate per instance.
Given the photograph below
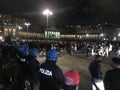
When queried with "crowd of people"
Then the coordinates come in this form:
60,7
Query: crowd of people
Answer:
20,69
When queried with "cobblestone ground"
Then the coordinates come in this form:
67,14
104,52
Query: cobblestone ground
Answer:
81,63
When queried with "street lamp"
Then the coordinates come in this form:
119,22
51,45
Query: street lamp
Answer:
27,24
20,28
47,13
87,35
101,34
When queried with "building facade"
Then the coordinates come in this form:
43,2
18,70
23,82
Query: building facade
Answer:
10,26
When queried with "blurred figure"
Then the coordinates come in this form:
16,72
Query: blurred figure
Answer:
110,47
112,77
93,51
27,67
101,51
118,52
50,75
106,50
2,87
72,79
95,71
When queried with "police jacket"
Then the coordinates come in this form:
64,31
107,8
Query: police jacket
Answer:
29,67
50,76
26,70
112,79
95,70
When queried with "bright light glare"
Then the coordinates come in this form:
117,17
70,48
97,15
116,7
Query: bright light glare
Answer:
1,37
27,24
101,34
47,12
19,27
114,38
87,35
119,35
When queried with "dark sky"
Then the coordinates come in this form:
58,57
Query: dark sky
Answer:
65,11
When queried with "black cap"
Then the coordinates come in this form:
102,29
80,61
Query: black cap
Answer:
96,56
116,60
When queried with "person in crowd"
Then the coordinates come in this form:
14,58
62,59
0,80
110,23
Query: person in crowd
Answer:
50,75
27,68
110,48
95,71
72,79
93,53
118,52
101,51
88,47
106,50
112,77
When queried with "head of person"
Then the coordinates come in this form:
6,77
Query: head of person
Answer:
34,52
15,44
24,49
98,58
115,62
52,55
8,39
72,79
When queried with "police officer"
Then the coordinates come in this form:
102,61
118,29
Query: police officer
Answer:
27,68
112,77
95,70
50,75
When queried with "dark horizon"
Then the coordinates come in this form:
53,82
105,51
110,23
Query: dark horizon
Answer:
67,12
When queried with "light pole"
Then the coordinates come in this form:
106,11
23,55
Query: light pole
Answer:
27,24
101,36
47,13
20,28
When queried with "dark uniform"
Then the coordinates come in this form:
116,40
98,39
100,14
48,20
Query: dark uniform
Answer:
50,75
27,70
95,70
112,77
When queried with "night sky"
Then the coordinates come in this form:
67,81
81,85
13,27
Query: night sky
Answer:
66,12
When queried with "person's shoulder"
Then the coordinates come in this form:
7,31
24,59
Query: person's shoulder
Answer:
58,71
43,64
57,67
115,70
46,64
110,71
91,63
94,62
